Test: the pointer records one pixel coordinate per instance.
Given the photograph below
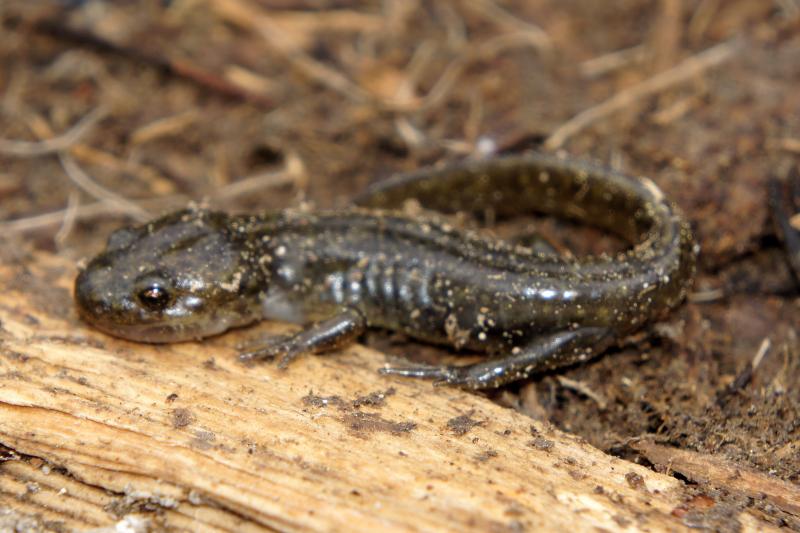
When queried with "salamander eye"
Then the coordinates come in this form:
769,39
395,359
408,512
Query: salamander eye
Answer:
154,297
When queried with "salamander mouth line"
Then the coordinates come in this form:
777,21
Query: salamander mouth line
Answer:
152,334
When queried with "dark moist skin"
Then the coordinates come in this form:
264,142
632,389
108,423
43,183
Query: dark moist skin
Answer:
196,273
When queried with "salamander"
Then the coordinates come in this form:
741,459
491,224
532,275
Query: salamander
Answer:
198,272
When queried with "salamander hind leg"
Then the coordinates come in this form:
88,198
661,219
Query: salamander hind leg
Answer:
324,336
543,353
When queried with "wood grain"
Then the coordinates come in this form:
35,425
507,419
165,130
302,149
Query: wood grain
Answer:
99,431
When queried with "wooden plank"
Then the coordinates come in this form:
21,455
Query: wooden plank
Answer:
183,436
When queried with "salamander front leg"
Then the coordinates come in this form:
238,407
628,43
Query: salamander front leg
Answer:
323,336
543,353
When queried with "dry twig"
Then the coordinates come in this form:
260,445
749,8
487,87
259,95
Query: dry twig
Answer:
582,388
687,69
83,212
482,51
789,144
86,183
54,144
294,174
73,202
182,68
248,17
721,473
170,125
607,63
509,22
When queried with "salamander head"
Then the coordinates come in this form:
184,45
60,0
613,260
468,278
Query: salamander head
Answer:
187,275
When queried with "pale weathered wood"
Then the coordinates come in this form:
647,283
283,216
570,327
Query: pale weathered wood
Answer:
183,436
719,472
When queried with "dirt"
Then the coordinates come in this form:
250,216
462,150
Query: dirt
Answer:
461,425
201,106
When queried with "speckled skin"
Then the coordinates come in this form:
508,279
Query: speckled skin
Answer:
197,273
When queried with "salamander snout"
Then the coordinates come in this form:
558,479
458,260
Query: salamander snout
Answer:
145,307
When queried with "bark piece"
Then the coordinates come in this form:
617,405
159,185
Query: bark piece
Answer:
99,430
